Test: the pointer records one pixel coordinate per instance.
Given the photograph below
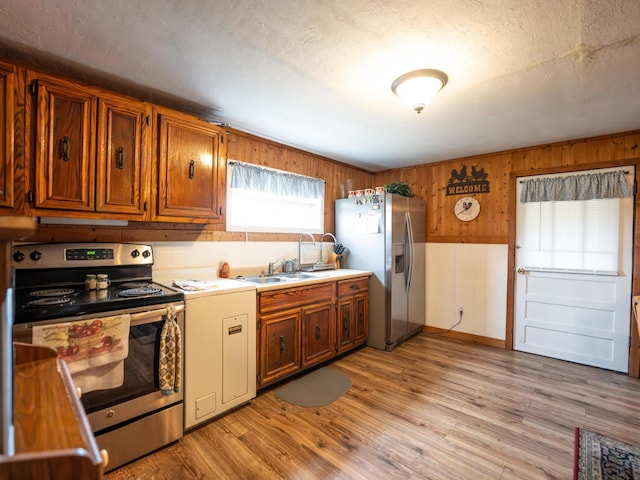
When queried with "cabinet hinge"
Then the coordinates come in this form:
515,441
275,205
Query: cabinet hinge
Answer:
259,324
30,196
220,211
221,138
33,88
144,206
258,378
147,120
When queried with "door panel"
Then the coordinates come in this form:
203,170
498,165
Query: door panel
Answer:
65,156
188,181
7,120
578,316
317,333
122,166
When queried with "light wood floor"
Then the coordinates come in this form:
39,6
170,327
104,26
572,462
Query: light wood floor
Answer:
433,408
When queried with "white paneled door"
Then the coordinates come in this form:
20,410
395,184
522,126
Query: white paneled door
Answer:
579,315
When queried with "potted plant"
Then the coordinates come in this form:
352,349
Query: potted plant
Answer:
401,188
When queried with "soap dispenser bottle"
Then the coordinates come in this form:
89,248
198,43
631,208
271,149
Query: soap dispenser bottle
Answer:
224,270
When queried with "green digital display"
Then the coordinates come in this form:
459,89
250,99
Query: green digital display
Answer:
89,254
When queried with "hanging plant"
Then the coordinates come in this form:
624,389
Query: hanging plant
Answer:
401,188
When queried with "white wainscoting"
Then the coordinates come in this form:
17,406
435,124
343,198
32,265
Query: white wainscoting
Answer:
471,276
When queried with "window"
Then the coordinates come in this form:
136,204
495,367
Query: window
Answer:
263,199
570,235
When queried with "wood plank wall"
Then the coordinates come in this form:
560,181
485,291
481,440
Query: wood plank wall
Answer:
255,150
429,181
242,147
492,225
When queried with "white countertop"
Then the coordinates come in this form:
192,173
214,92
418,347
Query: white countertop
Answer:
219,286
319,277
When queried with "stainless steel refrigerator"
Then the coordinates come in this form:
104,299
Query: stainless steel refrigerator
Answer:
387,236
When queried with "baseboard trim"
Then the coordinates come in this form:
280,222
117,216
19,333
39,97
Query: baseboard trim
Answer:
467,337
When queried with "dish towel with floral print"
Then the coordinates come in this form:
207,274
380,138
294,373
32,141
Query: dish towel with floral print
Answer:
170,359
94,349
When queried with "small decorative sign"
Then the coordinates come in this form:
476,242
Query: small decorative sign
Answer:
463,183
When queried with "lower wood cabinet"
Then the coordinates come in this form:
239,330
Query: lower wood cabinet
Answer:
279,346
353,313
318,333
299,327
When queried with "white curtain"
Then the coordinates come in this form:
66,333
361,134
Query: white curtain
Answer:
261,199
572,223
284,184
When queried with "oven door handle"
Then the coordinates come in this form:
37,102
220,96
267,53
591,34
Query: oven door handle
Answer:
143,317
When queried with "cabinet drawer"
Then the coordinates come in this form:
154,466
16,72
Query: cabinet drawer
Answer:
353,285
295,297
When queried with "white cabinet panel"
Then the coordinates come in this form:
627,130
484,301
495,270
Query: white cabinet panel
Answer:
220,365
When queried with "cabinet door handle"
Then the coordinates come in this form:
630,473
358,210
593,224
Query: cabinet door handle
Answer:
120,158
345,324
353,286
64,148
281,344
318,333
192,169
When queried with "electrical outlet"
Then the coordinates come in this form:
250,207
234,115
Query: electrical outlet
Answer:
461,310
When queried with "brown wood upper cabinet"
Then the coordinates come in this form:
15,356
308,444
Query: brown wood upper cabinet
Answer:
90,150
7,129
190,170
123,171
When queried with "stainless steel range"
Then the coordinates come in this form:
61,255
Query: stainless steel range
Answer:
97,305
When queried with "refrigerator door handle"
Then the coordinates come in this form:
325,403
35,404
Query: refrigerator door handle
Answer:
409,250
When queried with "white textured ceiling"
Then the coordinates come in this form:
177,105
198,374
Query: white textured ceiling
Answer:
316,74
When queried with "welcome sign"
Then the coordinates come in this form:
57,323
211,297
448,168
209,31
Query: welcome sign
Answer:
462,182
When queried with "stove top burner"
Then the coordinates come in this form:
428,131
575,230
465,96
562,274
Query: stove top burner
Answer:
49,301
52,292
130,285
137,292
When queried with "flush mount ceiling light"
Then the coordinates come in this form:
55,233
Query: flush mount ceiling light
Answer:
417,88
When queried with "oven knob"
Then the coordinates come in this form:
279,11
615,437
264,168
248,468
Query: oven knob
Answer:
135,253
35,255
18,256
146,253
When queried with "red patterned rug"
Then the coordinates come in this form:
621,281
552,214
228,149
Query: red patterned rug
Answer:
597,457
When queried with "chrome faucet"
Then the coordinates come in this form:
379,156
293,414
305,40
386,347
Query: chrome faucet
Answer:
273,265
286,266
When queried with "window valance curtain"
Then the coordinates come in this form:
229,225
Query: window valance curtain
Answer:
576,187
253,177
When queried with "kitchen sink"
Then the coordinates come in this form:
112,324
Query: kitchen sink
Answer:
296,276
282,277
261,279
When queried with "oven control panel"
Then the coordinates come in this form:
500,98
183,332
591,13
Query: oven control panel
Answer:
64,255
89,254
